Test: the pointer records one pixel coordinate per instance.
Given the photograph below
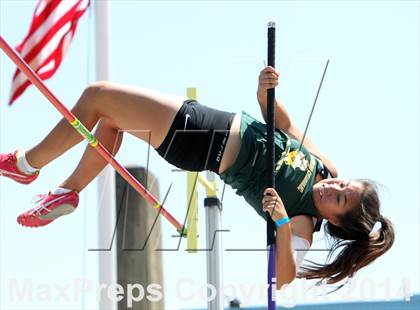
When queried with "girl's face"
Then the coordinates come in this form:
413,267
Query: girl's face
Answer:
335,197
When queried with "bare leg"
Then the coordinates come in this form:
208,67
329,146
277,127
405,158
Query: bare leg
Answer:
92,163
63,136
126,108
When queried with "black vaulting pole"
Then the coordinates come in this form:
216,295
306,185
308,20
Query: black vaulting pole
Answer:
271,238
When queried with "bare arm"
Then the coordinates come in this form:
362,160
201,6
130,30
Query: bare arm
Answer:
285,262
268,79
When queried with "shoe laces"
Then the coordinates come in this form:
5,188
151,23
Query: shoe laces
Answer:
41,207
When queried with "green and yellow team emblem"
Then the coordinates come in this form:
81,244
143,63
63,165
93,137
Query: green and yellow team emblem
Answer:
297,160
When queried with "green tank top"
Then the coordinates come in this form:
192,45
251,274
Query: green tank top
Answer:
295,171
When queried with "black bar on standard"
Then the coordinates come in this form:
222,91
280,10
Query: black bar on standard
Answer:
212,201
271,50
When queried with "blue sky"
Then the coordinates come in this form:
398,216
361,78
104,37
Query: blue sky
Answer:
366,121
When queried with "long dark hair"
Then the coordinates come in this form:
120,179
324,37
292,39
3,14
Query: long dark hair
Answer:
358,246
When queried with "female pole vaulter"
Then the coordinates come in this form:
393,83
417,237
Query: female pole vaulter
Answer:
307,189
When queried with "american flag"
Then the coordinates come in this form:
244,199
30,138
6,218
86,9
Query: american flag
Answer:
52,29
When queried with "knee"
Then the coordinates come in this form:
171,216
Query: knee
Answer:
94,89
92,92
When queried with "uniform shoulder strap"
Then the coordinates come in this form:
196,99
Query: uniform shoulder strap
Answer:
323,170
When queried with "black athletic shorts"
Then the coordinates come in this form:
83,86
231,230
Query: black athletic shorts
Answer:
197,138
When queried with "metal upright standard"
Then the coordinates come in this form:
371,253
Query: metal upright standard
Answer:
214,245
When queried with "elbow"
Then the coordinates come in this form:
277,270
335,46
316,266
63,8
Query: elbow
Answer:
283,280
290,128
287,125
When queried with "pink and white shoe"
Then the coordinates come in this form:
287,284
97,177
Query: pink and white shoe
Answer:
49,207
9,169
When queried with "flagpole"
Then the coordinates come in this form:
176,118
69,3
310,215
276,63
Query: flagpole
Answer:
106,179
